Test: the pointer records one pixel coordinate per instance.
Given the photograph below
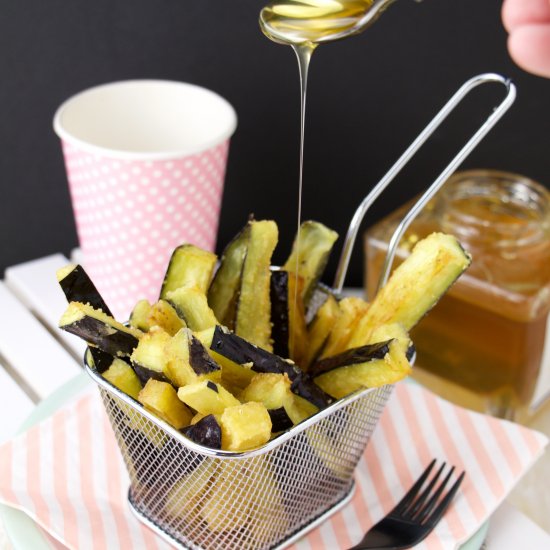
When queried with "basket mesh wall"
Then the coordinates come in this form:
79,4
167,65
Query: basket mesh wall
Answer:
206,502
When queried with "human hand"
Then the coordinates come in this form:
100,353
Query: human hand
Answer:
528,25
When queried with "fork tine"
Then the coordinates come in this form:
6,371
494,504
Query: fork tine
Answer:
397,530
419,502
435,516
421,514
414,490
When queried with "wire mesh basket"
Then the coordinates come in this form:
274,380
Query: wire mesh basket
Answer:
201,498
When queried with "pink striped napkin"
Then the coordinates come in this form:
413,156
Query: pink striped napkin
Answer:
66,473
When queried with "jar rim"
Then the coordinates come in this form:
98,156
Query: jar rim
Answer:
512,190
489,174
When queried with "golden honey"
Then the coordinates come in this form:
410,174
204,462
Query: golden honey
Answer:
310,21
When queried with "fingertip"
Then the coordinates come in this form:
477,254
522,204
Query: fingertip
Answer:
529,47
508,14
516,13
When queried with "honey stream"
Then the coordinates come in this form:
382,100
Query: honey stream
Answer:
303,24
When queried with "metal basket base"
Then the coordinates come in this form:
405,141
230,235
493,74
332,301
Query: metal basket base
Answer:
284,544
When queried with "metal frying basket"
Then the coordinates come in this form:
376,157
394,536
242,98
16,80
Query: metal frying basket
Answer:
200,498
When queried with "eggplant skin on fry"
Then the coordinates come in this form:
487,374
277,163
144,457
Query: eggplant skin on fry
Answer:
224,290
363,354
99,329
279,313
116,370
280,420
100,360
346,373
289,330
206,431
242,352
78,287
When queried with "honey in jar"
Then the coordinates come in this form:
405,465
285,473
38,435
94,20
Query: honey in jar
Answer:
485,343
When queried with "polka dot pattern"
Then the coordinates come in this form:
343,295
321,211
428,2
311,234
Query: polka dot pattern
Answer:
131,214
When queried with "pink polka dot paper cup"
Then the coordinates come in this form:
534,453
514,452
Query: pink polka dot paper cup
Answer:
145,162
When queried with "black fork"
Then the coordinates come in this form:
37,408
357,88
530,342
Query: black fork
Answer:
415,515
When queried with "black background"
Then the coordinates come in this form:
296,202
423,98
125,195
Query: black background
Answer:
369,96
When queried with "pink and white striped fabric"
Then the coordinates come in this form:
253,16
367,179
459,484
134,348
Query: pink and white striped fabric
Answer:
67,474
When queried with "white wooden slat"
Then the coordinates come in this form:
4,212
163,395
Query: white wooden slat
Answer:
29,348
15,405
35,284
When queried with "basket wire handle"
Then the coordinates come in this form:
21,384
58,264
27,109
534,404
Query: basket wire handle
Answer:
435,186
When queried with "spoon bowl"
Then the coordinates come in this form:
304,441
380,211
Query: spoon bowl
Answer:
295,22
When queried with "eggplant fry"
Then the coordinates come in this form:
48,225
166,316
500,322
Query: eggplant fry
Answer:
224,290
206,431
354,374
99,329
288,316
161,399
253,319
351,311
188,361
279,313
188,266
191,305
319,330
160,314
416,285
122,376
149,359
273,390
310,252
78,287
243,352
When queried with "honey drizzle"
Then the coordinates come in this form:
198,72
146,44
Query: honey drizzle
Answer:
302,24
303,54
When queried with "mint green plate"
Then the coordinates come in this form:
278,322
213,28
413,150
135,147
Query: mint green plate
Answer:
24,534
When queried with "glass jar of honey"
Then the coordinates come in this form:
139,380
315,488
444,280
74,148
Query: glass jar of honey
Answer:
486,344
